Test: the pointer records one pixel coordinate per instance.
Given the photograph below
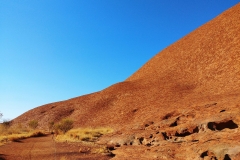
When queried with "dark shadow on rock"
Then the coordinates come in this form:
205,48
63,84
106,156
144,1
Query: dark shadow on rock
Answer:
227,157
17,140
222,125
2,157
204,154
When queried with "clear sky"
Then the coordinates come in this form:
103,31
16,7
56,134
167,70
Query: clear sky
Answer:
53,50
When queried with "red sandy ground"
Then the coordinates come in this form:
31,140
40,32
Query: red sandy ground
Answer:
45,148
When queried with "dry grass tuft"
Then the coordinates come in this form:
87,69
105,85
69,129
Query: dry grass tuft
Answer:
100,150
20,136
83,134
10,134
87,137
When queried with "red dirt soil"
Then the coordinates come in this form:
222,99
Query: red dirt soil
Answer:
182,104
40,148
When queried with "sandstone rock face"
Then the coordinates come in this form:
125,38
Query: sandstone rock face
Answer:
211,134
182,104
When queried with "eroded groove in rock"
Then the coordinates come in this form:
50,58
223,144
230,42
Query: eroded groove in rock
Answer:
118,145
183,134
141,140
148,123
208,155
222,125
167,116
165,136
174,124
204,154
186,132
111,148
148,144
210,105
150,136
112,155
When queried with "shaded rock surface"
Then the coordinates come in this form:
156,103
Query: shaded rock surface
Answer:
182,104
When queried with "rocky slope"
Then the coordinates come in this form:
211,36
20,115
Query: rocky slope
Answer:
182,104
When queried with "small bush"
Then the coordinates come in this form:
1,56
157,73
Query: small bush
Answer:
33,124
65,125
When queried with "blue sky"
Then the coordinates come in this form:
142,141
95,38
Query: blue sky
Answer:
53,50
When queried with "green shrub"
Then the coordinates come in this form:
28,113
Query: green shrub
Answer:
65,125
33,124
